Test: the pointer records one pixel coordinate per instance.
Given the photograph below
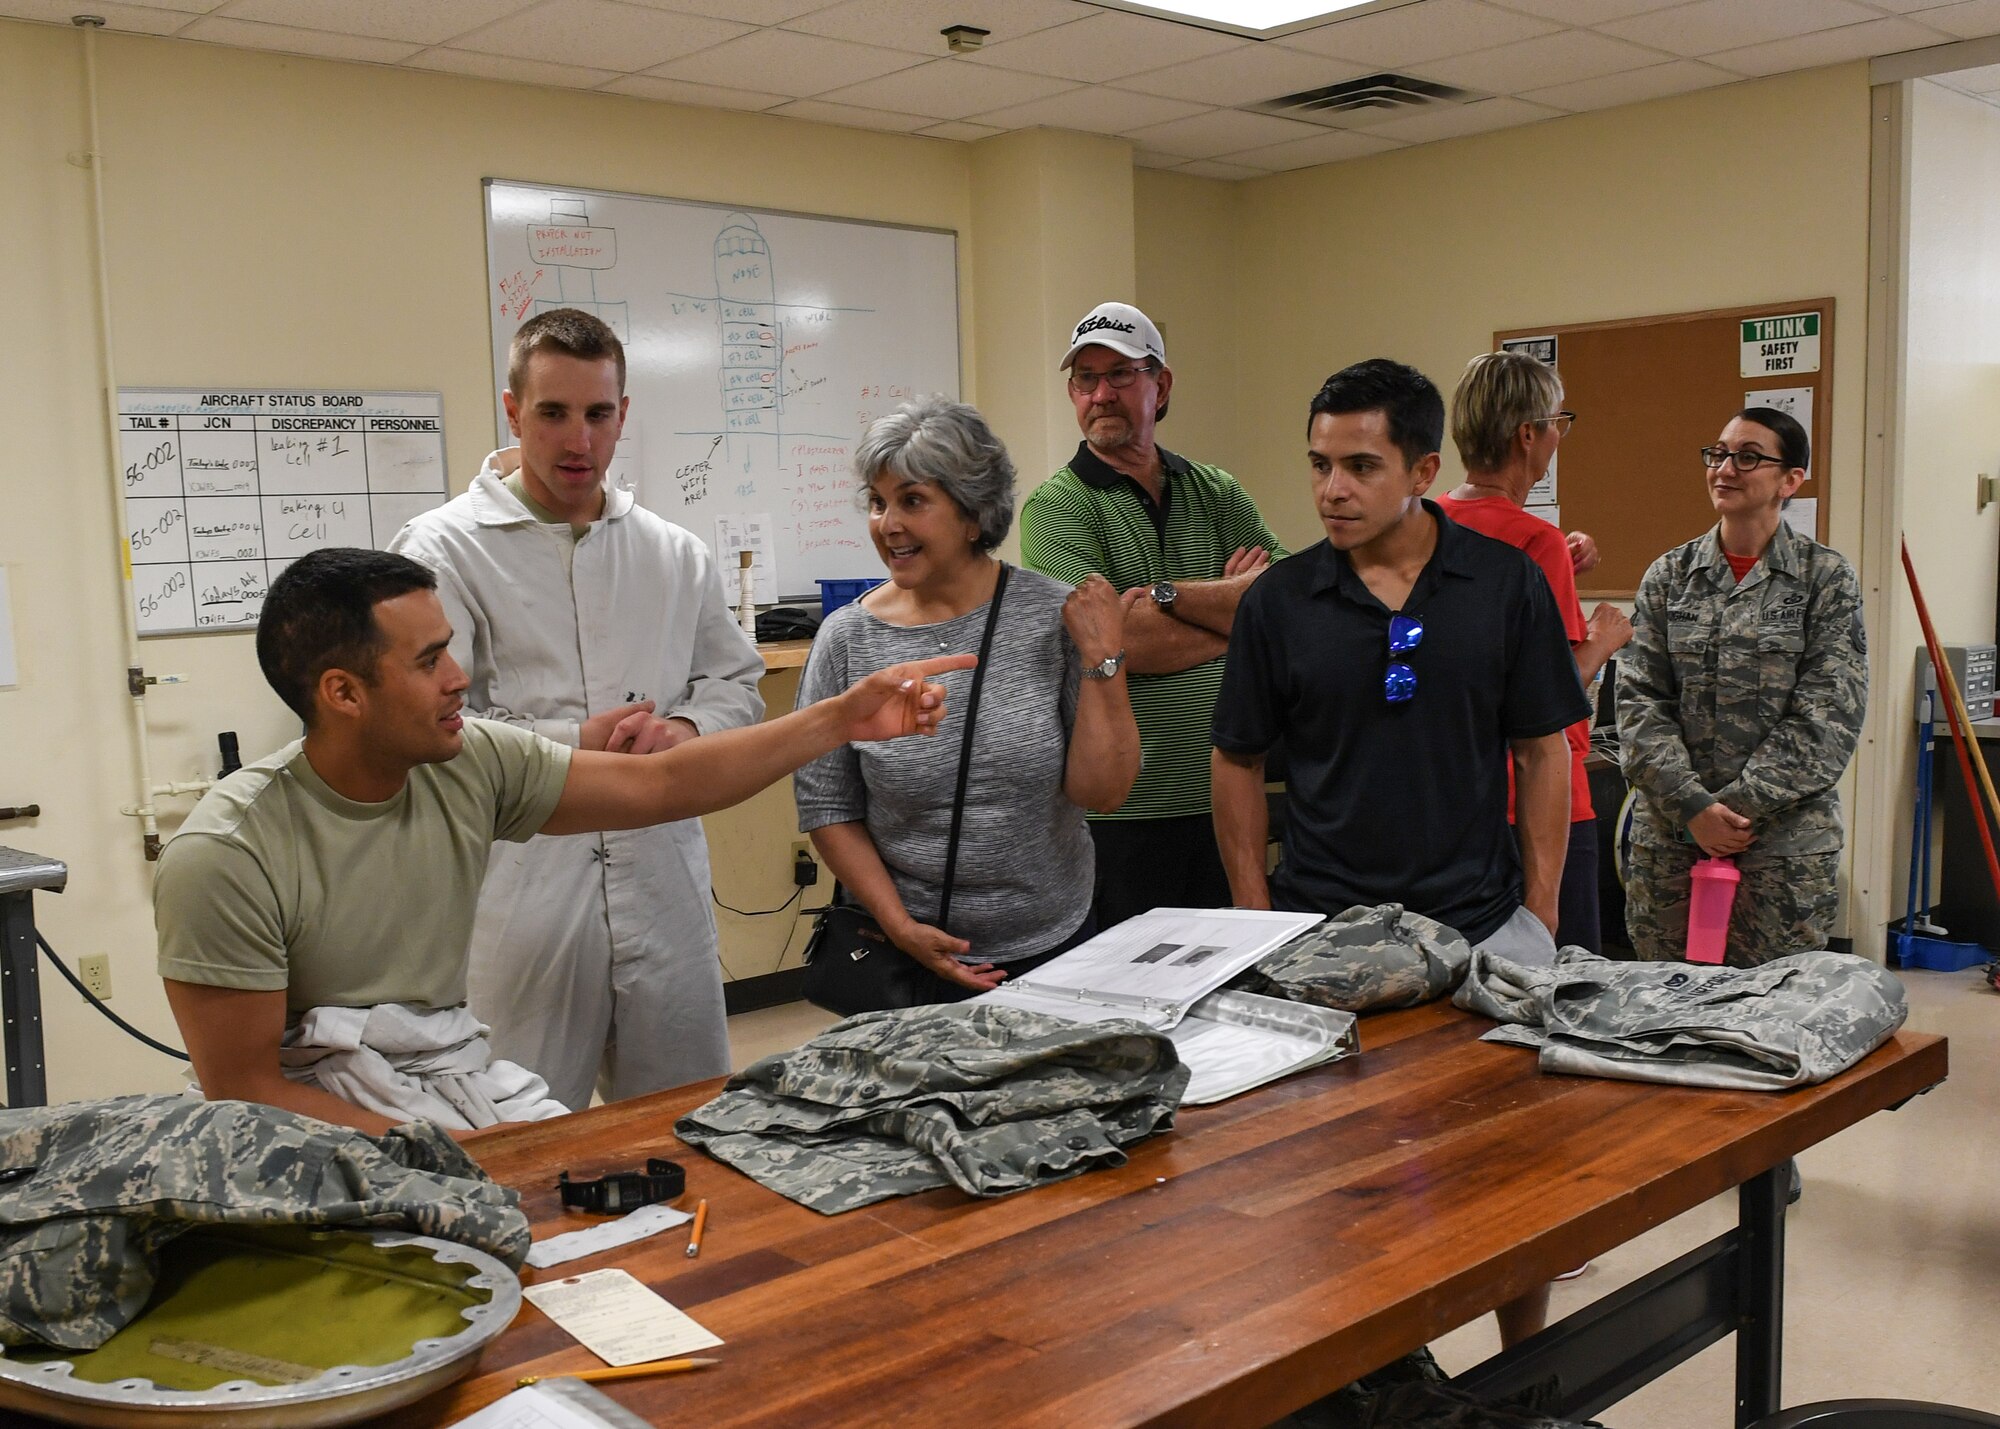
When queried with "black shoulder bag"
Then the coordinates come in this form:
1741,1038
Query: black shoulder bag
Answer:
851,964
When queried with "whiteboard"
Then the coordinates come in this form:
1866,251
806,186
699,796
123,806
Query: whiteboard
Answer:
758,347
224,489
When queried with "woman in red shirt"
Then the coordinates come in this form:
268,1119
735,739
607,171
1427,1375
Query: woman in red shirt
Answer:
1507,421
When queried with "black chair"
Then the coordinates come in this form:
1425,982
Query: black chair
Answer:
1877,1414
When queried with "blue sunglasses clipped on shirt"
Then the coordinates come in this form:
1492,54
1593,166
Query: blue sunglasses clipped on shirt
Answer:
1406,633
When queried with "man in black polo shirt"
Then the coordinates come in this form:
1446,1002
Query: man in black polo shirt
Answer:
1399,660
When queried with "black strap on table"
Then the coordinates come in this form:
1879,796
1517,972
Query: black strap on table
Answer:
965,749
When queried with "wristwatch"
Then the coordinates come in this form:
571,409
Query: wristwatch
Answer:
1164,594
622,1191
1105,669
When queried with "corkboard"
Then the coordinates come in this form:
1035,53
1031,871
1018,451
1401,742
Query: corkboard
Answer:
1649,393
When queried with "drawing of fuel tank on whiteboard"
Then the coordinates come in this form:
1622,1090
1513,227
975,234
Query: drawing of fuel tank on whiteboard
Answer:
573,252
753,348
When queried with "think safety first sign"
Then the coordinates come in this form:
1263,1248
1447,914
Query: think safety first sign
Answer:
1781,345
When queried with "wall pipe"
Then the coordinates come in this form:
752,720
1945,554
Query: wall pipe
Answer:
136,680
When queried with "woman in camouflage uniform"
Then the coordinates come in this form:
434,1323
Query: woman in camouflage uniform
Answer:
1740,701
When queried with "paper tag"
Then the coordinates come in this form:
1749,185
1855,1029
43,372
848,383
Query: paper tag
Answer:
646,1221
618,1319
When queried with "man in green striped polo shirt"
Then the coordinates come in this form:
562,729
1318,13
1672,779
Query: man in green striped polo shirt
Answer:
1182,541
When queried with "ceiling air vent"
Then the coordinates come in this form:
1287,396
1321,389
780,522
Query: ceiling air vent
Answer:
1354,100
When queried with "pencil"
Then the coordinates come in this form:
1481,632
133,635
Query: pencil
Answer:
630,1371
700,1224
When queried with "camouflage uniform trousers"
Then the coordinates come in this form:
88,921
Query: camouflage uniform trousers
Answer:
1364,960
1785,904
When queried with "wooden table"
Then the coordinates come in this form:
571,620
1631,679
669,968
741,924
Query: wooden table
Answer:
1269,1250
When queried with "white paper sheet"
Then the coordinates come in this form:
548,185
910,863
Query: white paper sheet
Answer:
618,1319
536,1407
1155,966
1233,1041
574,1245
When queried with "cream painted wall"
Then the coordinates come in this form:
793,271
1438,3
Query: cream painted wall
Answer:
277,221
1041,265
1949,424
1189,283
1423,253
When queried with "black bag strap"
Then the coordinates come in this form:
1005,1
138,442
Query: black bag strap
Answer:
965,749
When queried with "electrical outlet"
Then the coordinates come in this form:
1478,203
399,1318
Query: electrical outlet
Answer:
805,864
95,973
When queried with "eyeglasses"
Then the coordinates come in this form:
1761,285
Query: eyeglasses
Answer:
1083,383
1406,633
1562,422
1745,460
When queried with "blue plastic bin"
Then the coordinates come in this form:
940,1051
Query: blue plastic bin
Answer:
834,594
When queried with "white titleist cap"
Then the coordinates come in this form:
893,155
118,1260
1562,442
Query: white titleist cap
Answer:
1120,327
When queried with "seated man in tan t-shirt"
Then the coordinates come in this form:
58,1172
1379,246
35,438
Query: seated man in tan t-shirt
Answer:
325,894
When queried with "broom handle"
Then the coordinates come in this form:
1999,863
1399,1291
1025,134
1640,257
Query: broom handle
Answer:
1961,725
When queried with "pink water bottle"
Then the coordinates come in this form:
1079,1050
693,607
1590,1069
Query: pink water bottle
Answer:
1711,892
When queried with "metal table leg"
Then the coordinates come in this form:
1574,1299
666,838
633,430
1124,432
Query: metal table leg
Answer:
21,1002
1760,1305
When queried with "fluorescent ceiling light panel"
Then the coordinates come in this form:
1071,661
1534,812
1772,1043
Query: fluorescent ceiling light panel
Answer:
1258,19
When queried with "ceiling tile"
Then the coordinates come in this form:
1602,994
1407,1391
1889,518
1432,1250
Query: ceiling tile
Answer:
1710,25
431,23
510,68
960,130
680,91
1968,20
1586,12
1411,34
851,117
1094,109
249,35
1220,131
1849,42
1547,59
1243,76
129,19
946,89
1904,7
914,24
790,63
1320,149
597,33
1631,87
1460,119
1110,44
748,12
1215,169
1153,159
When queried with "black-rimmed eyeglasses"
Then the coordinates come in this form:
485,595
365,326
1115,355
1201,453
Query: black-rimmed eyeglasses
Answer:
1082,383
1744,461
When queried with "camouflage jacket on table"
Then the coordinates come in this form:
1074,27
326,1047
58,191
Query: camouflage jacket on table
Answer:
1790,1022
1364,960
115,1180
1748,693
988,1099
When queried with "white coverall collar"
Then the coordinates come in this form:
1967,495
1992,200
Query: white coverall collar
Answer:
494,505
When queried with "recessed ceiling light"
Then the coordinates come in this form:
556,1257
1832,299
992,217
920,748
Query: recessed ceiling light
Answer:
1258,19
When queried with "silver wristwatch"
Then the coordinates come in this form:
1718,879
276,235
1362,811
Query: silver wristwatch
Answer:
1106,669
1164,594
